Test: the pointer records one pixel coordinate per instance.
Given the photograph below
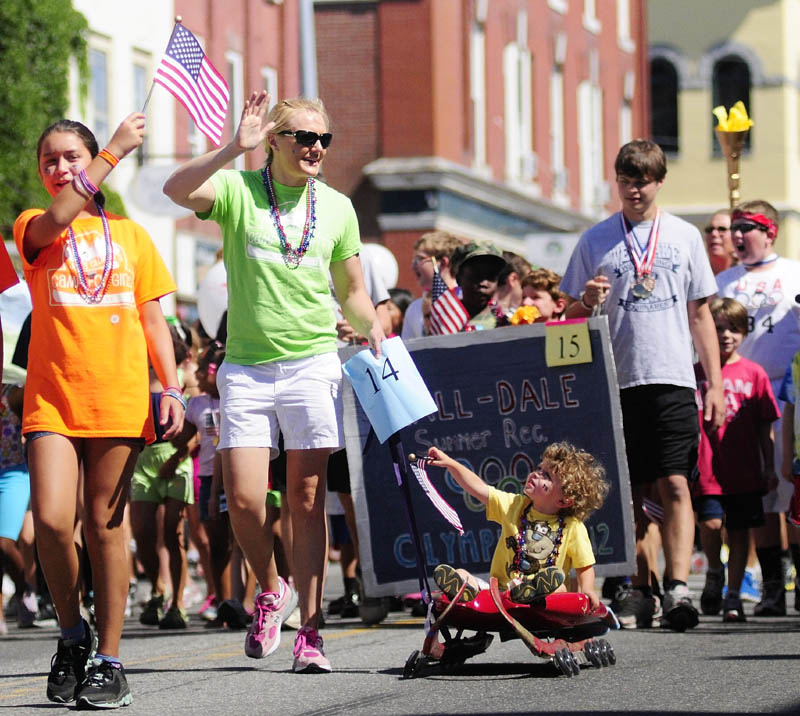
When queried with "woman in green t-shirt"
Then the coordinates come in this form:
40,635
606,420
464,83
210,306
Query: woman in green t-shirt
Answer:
283,232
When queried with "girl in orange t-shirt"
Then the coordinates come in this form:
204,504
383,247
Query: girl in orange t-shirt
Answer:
95,280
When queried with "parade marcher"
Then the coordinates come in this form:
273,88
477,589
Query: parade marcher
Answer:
543,535
95,280
767,285
735,463
283,231
650,271
719,243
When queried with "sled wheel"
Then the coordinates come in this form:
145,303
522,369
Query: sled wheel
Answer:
410,669
562,660
592,652
608,651
573,662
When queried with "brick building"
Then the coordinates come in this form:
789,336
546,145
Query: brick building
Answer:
492,119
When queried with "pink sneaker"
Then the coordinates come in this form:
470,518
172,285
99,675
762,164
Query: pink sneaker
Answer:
308,655
264,634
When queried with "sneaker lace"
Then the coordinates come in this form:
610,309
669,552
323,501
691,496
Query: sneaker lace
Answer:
61,661
99,675
262,610
307,637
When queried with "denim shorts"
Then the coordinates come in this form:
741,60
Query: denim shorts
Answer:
738,512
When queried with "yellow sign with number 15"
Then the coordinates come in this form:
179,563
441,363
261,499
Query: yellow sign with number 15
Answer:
567,342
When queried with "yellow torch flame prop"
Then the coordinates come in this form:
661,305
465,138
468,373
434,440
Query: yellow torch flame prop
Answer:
732,128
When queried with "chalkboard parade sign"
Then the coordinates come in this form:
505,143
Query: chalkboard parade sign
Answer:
496,400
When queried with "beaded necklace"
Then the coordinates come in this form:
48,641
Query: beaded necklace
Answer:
93,295
521,563
292,256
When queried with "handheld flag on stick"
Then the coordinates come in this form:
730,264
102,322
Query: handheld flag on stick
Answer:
418,468
448,314
188,74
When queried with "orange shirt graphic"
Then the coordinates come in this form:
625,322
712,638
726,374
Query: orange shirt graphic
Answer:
87,372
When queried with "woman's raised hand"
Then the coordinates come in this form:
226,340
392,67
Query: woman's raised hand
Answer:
129,135
253,127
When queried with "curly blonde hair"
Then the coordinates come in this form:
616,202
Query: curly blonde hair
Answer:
582,478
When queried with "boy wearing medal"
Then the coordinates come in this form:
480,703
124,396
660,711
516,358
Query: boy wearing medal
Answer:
543,535
649,272
767,285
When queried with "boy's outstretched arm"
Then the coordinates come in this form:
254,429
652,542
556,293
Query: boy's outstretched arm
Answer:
586,585
462,475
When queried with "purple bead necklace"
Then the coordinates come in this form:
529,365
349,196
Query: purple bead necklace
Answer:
96,294
292,256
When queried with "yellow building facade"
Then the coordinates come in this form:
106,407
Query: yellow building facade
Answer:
704,53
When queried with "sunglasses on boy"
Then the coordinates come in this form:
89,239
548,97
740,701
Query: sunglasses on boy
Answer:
745,226
308,139
720,229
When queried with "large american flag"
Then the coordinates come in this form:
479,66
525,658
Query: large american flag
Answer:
189,75
448,314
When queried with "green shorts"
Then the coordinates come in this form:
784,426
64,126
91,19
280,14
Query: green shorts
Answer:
147,486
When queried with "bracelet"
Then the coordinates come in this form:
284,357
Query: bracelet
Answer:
175,388
584,304
176,396
86,183
109,157
80,188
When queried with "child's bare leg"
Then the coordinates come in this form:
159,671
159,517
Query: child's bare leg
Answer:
711,539
738,542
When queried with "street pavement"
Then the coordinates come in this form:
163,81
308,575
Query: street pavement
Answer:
750,668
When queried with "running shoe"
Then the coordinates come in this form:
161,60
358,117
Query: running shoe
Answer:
233,614
450,582
679,612
773,601
732,610
308,655
68,666
175,618
208,609
749,591
153,611
27,608
635,610
711,598
264,634
105,687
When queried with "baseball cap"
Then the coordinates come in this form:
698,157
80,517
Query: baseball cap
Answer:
474,250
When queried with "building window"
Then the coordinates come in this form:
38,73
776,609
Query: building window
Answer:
236,88
594,191
477,93
664,104
140,88
624,39
731,82
557,159
270,77
98,94
590,20
520,159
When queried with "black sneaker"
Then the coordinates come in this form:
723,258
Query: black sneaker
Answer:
153,612
105,687
68,666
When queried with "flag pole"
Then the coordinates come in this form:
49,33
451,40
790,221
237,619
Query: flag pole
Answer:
178,21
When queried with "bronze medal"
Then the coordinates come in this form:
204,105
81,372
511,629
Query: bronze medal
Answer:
641,289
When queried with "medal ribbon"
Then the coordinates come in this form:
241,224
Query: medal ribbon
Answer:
642,261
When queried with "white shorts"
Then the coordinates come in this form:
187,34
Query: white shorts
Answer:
300,398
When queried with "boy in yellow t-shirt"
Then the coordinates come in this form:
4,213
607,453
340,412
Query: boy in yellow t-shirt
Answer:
543,535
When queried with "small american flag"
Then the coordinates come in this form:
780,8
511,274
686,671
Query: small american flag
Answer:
448,314
418,468
188,74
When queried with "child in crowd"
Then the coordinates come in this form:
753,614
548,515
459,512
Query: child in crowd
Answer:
767,284
540,288
162,476
438,246
543,533
202,420
477,266
735,462
399,301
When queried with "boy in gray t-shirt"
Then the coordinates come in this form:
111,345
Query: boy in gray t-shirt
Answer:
650,272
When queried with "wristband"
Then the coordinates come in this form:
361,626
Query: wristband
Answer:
80,188
176,388
109,157
584,304
176,396
83,179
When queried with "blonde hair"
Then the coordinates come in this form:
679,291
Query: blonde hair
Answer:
438,244
582,478
283,110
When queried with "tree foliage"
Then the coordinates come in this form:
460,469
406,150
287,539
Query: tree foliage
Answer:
37,41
